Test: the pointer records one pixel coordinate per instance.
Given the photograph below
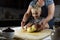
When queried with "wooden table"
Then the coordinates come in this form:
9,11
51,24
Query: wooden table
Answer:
31,36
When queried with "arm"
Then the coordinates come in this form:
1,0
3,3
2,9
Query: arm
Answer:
51,9
26,16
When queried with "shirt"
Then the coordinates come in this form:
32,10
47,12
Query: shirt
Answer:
47,2
44,8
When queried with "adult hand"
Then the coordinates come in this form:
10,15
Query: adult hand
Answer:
43,24
22,24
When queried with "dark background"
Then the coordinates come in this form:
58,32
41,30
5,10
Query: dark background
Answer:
15,3
17,8
20,4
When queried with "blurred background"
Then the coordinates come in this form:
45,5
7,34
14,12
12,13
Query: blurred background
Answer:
12,11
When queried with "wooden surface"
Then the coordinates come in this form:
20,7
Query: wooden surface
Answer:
32,36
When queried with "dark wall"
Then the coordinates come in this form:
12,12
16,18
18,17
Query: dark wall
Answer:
19,3
57,2
8,3
15,3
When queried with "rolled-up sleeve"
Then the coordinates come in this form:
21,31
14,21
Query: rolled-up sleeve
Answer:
49,2
32,3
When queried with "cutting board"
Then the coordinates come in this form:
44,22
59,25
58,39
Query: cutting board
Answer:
32,36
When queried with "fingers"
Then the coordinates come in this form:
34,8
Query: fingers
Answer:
46,26
41,22
43,26
22,24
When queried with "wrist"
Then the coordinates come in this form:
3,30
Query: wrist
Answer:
24,21
46,20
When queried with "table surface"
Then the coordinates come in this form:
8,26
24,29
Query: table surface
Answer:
45,34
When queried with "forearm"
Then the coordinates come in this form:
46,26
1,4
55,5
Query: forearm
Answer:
48,18
26,16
